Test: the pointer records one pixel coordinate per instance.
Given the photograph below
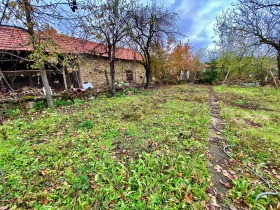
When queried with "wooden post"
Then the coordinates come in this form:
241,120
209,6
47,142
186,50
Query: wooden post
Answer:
64,79
1,81
30,80
226,76
46,85
68,79
79,76
274,79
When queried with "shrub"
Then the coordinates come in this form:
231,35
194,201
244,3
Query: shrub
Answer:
209,76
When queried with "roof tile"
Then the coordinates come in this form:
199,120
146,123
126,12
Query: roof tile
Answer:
13,38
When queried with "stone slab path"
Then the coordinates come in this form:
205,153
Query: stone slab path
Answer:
219,161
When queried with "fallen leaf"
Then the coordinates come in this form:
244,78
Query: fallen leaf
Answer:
209,157
90,175
215,204
232,207
227,184
144,198
180,174
214,200
158,152
4,207
194,177
210,191
274,172
203,203
210,207
226,174
221,181
44,172
46,201
122,197
188,199
103,147
235,176
241,154
218,168
232,172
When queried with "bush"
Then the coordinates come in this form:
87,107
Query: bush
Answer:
209,76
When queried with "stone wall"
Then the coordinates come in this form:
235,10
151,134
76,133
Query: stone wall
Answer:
92,69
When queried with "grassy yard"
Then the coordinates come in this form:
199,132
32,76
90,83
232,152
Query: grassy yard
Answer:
137,152
147,151
252,117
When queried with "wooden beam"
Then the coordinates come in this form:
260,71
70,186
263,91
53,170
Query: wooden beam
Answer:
26,72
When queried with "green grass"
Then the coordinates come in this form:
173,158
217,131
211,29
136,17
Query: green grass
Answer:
146,151
139,152
252,117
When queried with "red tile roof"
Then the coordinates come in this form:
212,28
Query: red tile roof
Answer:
12,38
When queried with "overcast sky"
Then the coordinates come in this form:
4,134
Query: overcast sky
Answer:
197,18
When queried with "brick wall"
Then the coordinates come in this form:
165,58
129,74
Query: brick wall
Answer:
92,69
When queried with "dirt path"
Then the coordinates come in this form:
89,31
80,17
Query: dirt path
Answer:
219,161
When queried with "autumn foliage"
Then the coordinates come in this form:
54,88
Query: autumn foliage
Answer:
170,62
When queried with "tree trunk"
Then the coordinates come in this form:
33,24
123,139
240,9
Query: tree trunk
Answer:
30,29
278,64
148,75
112,76
46,85
107,80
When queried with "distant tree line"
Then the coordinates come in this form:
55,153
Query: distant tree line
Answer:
249,39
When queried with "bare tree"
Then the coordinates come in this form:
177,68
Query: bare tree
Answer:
151,25
252,23
109,22
264,3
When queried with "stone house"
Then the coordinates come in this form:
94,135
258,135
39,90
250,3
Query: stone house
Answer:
89,61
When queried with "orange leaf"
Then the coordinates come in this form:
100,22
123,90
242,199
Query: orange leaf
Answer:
90,175
44,172
188,199
46,201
